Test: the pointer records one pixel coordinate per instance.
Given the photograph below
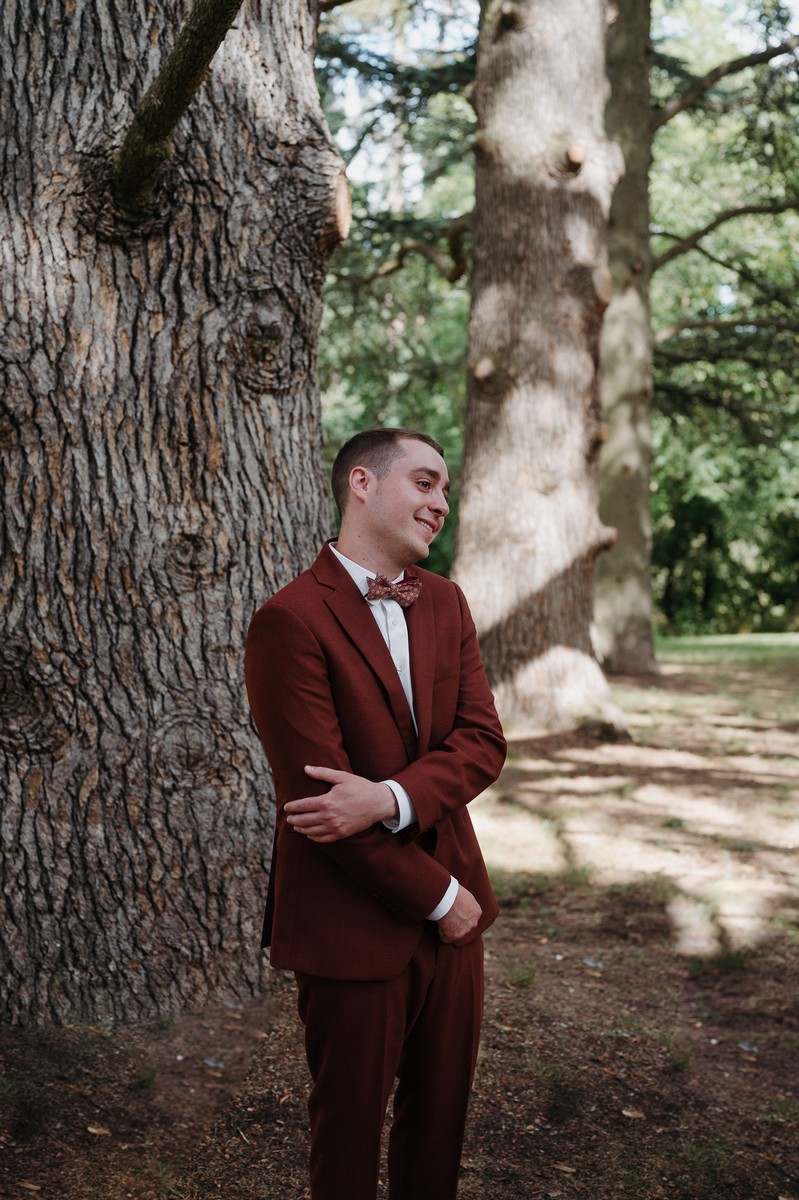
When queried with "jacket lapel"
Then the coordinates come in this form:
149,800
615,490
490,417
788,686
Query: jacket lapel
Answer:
422,636
352,612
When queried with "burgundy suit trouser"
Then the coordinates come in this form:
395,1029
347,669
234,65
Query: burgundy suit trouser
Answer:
423,1029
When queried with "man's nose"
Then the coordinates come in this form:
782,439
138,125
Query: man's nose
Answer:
439,504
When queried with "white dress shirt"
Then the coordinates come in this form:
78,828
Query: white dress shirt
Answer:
390,619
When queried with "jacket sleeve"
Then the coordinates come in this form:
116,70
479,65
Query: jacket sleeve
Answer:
292,704
470,756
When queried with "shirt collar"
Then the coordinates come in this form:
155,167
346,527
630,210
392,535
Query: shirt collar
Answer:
358,573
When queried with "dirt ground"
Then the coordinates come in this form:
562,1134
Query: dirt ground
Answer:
641,1037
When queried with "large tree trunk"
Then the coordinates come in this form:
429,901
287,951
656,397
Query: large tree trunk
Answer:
623,605
161,475
528,524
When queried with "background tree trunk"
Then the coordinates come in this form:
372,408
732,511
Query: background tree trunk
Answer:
528,527
161,476
623,603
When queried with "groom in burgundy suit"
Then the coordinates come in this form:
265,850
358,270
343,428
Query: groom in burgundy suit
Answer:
367,688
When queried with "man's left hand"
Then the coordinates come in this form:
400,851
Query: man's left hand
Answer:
352,805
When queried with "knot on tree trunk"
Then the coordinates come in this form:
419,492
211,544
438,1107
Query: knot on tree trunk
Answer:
29,718
264,327
189,560
185,750
102,217
511,16
492,376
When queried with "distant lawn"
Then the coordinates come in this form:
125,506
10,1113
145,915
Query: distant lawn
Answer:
772,649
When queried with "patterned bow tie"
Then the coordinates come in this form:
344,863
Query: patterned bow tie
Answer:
405,592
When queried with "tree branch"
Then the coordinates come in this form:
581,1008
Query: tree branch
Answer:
672,397
452,266
729,214
670,331
444,73
146,145
703,84
785,298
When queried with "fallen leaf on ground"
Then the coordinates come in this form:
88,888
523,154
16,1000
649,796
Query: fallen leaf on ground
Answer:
100,1130
635,1113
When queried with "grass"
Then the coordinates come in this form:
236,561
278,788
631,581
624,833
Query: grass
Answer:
652,889
515,888
766,649
729,962
146,1079
520,975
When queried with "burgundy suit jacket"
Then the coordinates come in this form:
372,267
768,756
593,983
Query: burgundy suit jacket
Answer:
324,691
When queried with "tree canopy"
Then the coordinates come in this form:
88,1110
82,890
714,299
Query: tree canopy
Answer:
724,188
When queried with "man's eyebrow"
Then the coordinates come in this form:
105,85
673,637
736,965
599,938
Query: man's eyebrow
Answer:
432,472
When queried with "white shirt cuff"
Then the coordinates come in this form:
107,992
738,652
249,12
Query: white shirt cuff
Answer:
407,813
446,902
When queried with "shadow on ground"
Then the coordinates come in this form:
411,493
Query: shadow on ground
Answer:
642,1022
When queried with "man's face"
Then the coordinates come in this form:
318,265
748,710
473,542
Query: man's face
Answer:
407,507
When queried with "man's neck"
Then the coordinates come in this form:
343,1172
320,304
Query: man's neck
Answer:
359,551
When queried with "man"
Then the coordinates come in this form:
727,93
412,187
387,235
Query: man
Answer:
380,727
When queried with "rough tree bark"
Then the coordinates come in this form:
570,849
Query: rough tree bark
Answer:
161,475
623,595
528,526
623,602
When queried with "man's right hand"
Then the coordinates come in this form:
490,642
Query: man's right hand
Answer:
462,918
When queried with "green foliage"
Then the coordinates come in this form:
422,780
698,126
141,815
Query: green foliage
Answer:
393,348
726,527
726,428
393,353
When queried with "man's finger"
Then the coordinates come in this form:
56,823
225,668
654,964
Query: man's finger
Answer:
308,820
308,824
328,774
318,833
305,804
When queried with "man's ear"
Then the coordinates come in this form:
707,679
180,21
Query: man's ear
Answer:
361,480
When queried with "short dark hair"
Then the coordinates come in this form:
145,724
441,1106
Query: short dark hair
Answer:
375,449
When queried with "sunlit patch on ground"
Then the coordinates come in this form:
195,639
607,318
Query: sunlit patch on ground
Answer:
705,799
